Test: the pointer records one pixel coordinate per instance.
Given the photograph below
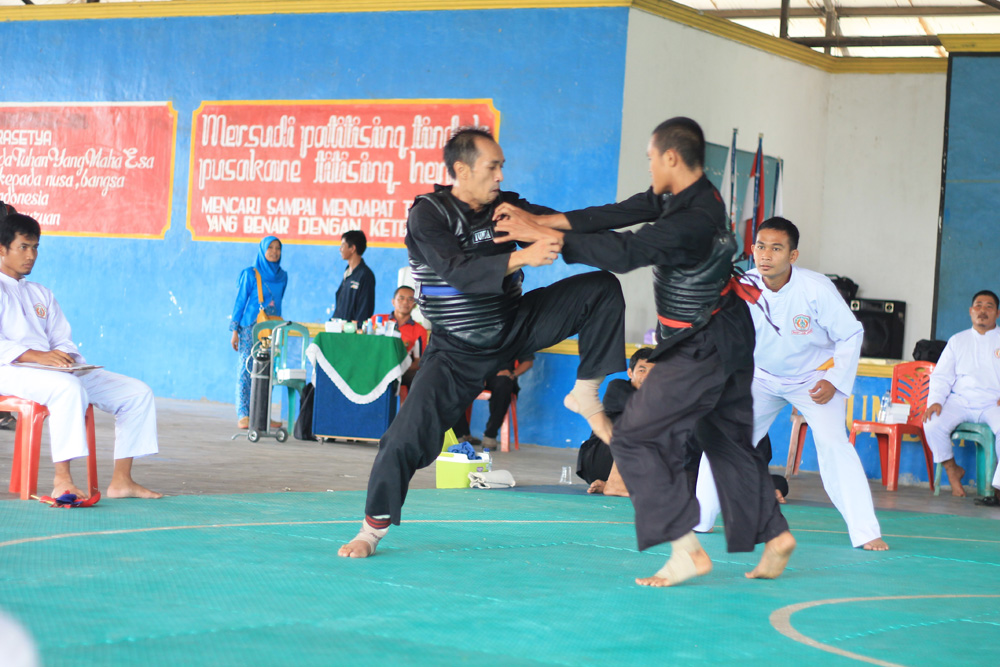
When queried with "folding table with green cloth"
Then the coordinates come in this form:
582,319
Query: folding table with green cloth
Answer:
356,380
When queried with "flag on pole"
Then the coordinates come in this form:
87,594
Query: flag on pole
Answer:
753,203
728,189
778,208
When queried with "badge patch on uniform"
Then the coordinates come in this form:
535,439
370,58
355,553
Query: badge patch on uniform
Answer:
482,235
802,325
355,285
996,353
40,311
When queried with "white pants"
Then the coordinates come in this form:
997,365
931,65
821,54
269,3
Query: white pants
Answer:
938,428
840,467
67,397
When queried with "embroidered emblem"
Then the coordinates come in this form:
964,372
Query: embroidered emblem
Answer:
996,353
482,235
40,311
802,325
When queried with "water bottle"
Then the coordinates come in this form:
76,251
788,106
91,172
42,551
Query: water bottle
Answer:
567,475
883,410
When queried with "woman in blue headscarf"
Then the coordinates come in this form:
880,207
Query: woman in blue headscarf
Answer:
273,281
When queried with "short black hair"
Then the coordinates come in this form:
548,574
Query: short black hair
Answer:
17,223
462,147
986,292
684,136
356,238
642,354
403,287
779,224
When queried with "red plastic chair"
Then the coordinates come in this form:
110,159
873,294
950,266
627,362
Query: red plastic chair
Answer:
28,445
509,419
910,382
796,443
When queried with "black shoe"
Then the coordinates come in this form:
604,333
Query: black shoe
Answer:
8,424
988,501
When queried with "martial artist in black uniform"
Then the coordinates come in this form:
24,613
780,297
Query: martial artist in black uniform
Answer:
700,385
470,289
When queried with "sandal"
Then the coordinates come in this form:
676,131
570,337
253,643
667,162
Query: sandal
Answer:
988,501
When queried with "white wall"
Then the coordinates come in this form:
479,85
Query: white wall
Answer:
862,153
883,187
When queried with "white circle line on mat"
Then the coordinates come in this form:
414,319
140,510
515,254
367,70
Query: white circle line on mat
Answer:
781,620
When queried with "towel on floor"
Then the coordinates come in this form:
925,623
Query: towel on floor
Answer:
495,479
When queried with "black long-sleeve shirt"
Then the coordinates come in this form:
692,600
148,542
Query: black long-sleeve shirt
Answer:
680,234
430,239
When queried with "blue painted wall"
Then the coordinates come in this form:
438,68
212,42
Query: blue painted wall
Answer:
969,241
159,310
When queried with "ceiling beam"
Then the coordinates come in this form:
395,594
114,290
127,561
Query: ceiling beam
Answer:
783,19
892,40
853,12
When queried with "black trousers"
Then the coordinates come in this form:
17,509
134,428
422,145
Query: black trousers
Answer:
594,461
693,392
452,374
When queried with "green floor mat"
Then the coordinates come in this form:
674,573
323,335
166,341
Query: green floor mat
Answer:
479,577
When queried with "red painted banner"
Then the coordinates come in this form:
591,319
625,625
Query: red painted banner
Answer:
307,172
89,169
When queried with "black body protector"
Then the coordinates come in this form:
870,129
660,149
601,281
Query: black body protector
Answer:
686,298
479,320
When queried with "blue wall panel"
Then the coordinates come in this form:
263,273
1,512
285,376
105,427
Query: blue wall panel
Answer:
969,241
159,310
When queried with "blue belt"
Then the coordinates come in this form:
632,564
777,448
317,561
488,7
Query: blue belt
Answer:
442,290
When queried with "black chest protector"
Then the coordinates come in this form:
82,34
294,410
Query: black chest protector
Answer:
480,320
686,298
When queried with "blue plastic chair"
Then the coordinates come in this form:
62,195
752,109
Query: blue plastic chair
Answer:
986,455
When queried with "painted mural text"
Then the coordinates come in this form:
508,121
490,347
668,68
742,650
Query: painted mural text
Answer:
311,171
98,170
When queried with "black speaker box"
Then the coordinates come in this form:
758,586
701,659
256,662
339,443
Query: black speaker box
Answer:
883,322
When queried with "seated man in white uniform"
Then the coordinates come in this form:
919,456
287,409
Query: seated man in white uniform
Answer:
792,365
965,387
33,329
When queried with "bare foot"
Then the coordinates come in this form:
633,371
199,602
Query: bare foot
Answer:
615,486
772,563
66,485
878,544
131,490
356,549
597,486
955,474
781,498
702,566
599,422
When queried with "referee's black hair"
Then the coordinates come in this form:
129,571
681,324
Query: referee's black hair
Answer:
782,225
16,223
986,292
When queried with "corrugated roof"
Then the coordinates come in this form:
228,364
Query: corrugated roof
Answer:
884,19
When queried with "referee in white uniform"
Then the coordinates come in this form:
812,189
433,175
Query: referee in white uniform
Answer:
815,328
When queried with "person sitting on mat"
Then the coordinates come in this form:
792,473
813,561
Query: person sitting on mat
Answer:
34,330
965,387
595,464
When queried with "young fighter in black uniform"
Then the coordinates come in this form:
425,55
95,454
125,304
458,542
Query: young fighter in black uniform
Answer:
470,289
700,384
